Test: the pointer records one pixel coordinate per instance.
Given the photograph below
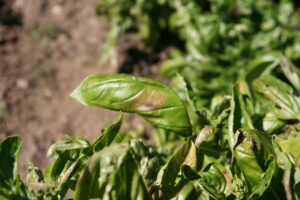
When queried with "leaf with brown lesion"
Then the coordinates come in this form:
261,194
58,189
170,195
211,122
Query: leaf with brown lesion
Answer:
153,100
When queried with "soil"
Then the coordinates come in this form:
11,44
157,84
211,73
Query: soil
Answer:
46,49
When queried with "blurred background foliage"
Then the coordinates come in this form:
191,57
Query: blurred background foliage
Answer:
218,39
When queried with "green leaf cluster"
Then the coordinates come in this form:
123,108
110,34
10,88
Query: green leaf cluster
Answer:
226,127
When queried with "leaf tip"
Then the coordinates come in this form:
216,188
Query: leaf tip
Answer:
76,94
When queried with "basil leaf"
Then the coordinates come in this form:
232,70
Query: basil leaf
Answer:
108,136
239,116
286,165
9,150
114,165
256,159
69,143
151,99
11,185
291,72
187,155
282,95
215,179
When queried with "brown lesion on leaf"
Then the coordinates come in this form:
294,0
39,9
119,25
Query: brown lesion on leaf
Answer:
247,137
146,100
240,138
149,100
226,176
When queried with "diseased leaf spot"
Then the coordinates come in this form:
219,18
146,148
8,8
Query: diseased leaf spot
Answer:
240,138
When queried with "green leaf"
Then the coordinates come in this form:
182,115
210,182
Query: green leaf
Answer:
69,154
239,188
180,86
219,104
62,164
186,155
35,181
291,72
131,184
69,143
261,66
204,134
282,95
151,99
285,164
139,189
215,179
271,124
239,116
256,159
168,174
108,135
291,148
187,192
34,175
101,164
170,67
112,173
9,150
11,185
